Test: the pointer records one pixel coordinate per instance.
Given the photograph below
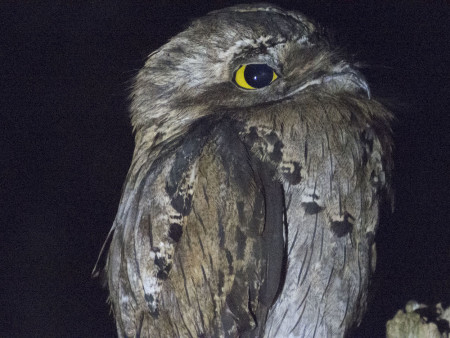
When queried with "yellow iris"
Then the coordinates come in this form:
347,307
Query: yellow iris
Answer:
258,75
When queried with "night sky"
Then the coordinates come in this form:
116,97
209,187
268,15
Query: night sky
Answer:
66,144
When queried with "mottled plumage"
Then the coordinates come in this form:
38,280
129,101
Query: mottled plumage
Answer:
249,212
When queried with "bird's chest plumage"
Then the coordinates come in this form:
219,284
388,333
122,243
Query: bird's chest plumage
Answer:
330,215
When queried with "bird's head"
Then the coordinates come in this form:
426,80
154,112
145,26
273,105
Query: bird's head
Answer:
236,58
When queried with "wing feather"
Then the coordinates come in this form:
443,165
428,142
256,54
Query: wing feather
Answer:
196,249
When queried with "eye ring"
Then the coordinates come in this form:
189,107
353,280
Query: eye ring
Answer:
254,76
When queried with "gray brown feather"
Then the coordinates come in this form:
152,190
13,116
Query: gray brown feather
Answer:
249,213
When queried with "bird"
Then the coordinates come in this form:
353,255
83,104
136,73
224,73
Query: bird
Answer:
260,169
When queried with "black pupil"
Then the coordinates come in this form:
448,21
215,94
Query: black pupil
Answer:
258,75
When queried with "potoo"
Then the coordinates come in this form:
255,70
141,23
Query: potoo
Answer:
252,200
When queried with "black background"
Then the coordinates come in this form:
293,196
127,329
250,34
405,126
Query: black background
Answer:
66,143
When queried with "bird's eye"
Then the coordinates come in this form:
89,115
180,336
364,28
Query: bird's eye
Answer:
254,76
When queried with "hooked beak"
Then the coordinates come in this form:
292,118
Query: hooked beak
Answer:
343,78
